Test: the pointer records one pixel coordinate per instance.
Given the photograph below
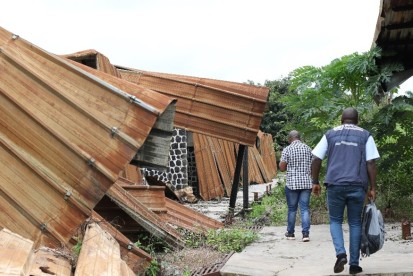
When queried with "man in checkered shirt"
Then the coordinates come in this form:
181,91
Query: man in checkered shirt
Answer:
296,160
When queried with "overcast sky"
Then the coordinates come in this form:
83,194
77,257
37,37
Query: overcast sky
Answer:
233,40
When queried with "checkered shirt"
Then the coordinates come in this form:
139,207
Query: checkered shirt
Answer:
298,158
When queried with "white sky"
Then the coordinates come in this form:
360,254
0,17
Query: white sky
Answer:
233,40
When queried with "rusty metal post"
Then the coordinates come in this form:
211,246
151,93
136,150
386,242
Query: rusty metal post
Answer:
406,230
245,179
237,173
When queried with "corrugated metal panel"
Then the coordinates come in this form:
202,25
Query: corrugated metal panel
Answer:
393,34
216,108
187,218
210,185
222,163
216,160
255,167
133,174
65,136
154,152
267,152
94,59
49,262
143,215
137,259
15,252
100,253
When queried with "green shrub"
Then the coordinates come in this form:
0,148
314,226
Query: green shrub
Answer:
233,239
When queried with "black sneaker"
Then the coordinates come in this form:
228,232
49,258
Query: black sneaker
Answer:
354,269
306,237
341,261
290,236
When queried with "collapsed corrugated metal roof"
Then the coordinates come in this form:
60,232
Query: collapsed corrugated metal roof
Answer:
100,254
222,109
393,35
154,152
94,59
215,159
65,137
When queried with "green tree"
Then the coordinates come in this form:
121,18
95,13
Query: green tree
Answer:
275,116
321,93
317,96
393,127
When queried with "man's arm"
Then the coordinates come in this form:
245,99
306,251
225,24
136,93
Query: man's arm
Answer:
315,172
372,172
283,166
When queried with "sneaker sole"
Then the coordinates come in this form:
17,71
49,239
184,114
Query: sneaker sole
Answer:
340,266
306,239
290,238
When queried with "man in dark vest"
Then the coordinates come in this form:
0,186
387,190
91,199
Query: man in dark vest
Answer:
351,154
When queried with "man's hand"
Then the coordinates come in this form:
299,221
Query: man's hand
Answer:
371,194
316,189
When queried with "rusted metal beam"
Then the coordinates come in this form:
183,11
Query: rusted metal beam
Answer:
235,183
245,180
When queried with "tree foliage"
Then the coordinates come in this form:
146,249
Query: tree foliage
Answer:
311,101
321,93
275,116
393,127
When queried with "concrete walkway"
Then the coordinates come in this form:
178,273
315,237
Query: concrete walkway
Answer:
272,254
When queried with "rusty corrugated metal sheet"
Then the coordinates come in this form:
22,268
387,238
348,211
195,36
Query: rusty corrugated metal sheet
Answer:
18,255
254,171
267,152
393,34
210,185
100,254
221,109
216,160
137,259
143,215
182,216
65,136
133,174
15,251
94,59
50,262
154,152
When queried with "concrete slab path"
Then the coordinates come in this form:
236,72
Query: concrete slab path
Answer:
273,254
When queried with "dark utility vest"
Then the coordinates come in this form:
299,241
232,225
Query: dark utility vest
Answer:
346,153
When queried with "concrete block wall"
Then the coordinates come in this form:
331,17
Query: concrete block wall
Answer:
177,172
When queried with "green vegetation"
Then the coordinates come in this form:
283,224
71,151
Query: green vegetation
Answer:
272,209
77,247
233,239
311,99
152,246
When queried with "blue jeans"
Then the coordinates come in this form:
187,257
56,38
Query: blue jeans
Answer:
352,197
295,198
